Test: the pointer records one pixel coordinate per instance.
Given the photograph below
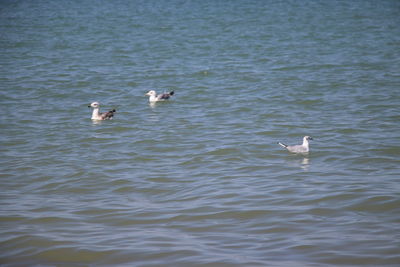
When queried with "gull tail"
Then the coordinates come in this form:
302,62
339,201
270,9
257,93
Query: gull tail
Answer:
283,145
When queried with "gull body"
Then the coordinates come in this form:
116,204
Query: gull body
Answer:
303,148
153,97
97,115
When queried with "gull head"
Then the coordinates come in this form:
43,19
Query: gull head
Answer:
151,93
94,105
307,138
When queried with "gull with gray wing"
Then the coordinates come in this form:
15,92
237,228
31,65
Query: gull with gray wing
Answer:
153,97
303,148
97,115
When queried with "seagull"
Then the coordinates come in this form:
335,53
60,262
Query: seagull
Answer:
97,115
303,148
153,97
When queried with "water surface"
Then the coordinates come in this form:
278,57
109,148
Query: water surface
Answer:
200,180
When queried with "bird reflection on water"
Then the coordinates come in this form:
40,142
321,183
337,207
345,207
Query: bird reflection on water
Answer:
297,161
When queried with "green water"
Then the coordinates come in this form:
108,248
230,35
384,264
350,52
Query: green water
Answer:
200,180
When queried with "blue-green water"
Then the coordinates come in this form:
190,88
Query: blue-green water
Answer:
200,180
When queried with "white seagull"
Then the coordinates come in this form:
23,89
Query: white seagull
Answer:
153,97
97,115
303,148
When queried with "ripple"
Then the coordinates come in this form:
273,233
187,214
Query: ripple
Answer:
199,180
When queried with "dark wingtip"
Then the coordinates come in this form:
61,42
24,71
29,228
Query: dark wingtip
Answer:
282,144
113,110
171,93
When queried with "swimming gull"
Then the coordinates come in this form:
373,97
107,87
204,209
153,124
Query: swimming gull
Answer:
153,97
97,115
303,148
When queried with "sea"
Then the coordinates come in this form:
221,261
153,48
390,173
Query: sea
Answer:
200,180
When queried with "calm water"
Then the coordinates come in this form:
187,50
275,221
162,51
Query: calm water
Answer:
200,180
